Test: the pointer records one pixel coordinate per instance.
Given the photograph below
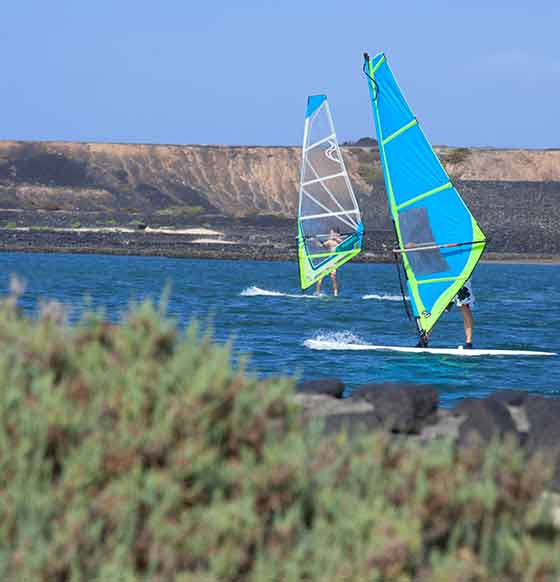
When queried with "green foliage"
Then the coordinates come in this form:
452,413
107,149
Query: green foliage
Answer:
181,211
50,206
11,225
76,224
370,173
457,155
133,452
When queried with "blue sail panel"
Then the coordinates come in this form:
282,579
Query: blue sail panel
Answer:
393,108
411,162
313,103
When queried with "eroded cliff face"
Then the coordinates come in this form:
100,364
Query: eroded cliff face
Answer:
224,179
504,165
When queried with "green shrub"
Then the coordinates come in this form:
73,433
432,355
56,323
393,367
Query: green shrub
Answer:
76,224
180,211
133,452
10,225
457,155
370,174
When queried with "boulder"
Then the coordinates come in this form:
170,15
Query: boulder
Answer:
353,424
509,397
401,408
489,419
314,405
543,415
330,386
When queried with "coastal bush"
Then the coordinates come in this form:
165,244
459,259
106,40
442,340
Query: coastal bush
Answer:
457,155
370,173
136,452
49,206
180,211
137,223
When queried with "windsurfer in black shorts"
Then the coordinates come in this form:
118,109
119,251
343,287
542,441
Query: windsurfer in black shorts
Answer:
465,301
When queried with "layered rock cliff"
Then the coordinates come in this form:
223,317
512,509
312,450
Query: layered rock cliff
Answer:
515,194
228,180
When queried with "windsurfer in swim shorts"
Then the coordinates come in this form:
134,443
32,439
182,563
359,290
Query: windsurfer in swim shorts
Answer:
465,301
330,244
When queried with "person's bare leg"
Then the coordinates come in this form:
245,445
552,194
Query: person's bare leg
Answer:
334,287
318,290
468,322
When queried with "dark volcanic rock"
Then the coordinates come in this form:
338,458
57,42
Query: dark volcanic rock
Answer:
329,386
404,408
509,397
487,418
352,423
318,405
543,415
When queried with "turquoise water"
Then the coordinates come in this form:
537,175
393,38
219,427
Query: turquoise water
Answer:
260,306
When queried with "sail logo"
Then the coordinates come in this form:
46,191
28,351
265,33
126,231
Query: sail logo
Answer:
332,152
426,314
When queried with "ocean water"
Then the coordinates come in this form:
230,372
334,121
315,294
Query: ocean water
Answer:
259,306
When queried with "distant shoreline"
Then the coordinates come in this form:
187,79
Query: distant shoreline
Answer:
239,253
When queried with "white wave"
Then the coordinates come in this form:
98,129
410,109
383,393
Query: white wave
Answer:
383,297
348,341
254,291
339,340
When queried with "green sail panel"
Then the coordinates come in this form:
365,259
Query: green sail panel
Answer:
439,241
327,206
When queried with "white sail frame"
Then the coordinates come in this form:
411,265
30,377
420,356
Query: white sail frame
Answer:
344,215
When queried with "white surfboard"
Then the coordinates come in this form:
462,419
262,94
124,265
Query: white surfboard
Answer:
316,344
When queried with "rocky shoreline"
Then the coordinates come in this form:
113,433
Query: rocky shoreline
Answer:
267,238
136,199
412,411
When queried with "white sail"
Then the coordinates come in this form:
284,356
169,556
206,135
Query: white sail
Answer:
326,200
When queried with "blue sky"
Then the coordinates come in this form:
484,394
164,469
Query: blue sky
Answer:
477,73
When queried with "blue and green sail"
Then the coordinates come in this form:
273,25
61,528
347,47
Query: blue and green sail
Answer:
439,240
327,206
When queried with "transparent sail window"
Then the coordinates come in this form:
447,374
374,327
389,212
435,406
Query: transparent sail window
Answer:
416,231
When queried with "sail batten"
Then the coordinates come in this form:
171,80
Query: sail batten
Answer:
428,213
324,178
342,212
328,209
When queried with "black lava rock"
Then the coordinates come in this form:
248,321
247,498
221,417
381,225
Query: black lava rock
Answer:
487,418
402,408
328,386
509,397
352,423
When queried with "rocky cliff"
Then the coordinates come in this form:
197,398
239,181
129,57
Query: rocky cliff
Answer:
515,194
229,180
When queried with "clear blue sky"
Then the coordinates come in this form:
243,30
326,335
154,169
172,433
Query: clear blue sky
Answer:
477,73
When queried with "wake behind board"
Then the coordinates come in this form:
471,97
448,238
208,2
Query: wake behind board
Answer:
316,344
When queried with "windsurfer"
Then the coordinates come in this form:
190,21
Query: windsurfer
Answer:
464,300
330,244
